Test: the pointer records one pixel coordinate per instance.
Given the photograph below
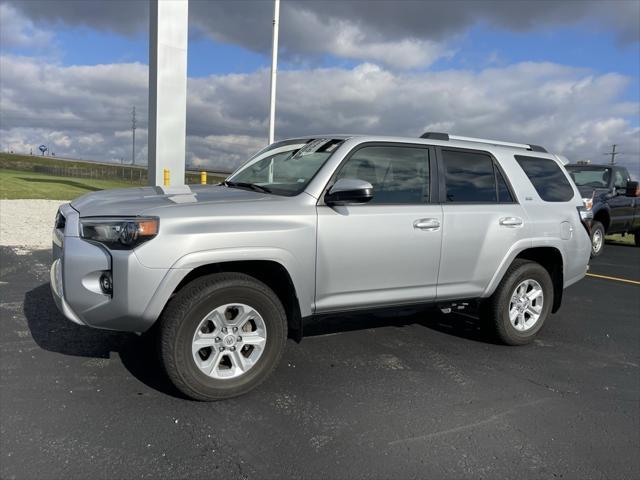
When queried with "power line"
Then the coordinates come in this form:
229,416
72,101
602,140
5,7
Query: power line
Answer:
133,131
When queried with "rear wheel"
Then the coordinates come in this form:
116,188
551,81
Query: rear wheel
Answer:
521,303
597,238
221,336
636,238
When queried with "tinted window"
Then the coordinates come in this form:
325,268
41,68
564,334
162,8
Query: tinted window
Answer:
547,178
398,174
469,177
504,195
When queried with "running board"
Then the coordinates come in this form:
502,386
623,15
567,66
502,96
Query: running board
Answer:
452,306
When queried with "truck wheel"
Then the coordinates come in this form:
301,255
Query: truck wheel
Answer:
221,336
518,308
597,238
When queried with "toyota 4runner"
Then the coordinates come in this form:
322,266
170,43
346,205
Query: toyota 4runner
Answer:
320,225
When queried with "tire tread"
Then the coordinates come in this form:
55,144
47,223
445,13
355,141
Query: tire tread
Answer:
171,319
493,307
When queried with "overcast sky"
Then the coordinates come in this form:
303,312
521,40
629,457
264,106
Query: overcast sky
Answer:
563,74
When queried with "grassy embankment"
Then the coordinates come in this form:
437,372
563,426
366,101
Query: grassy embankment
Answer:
24,176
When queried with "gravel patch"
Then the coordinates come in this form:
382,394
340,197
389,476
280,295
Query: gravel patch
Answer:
27,224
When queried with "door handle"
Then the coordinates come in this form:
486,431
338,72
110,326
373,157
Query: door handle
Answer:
511,222
427,224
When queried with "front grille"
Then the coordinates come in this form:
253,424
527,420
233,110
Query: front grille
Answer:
60,221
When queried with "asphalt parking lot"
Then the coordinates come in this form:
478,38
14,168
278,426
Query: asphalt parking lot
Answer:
415,395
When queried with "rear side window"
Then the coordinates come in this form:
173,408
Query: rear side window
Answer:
469,177
547,178
504,195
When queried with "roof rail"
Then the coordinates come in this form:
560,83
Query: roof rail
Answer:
447,137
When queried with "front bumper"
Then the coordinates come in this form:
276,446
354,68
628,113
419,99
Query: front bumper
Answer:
58,294
77,265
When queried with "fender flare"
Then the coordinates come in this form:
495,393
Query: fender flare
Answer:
187,263
515,250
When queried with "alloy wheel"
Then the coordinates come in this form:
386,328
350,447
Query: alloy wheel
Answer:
229,341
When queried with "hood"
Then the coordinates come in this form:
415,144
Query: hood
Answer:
588,192
139,201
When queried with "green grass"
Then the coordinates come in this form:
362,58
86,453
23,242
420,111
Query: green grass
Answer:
90,170
31,176
23,184
621,239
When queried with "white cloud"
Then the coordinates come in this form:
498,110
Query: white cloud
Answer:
571,111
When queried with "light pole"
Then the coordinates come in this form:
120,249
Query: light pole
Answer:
274,71
133,133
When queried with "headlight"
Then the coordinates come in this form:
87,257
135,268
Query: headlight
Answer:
588,203
120,233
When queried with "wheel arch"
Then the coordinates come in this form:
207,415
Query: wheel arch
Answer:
273,266
604,217
270,272
550,257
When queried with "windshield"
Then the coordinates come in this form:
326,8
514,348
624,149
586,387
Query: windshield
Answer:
285,169
590,176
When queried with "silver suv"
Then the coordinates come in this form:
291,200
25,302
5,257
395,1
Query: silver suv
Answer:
311,226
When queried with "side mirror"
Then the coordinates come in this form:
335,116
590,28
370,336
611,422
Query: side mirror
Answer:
348,191
632,189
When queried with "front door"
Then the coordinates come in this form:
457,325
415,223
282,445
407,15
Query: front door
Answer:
388,250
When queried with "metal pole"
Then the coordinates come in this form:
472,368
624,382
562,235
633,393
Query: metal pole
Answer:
274,71
133,129
613,154
167,126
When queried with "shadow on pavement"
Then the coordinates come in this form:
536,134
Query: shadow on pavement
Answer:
70,183
53,332
461,325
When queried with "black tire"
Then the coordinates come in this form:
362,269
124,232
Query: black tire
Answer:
597,229
636,238
495,310
187,309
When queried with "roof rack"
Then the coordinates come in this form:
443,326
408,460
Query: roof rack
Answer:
446,137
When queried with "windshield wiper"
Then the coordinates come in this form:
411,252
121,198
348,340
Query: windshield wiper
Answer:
252,186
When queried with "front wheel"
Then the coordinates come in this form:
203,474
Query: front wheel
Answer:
520,305
636,238
221,336
597,238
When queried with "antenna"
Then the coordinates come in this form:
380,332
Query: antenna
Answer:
133,131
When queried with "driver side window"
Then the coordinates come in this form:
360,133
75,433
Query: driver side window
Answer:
398,174
619,180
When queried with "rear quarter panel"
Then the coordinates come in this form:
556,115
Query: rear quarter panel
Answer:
551,224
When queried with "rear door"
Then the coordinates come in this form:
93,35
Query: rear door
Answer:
482,220
386,251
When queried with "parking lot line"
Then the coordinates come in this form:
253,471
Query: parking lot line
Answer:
618,279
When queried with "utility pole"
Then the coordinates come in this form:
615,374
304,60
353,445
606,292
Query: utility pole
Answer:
133,131
613,153
274,71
